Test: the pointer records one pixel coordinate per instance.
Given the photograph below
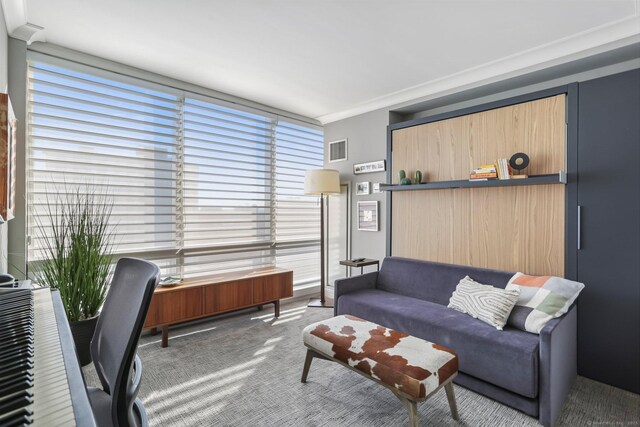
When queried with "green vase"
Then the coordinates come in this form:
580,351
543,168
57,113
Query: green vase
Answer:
418,177
401,175
405,181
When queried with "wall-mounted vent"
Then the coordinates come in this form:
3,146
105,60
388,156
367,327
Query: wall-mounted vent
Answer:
338,150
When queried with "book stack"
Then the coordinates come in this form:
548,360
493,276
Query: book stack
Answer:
484,173
499,170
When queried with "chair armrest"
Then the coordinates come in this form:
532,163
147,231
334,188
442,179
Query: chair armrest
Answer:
558,364
352,284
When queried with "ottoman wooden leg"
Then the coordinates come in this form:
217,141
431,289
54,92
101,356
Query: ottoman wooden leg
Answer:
451,397
307,365
412,409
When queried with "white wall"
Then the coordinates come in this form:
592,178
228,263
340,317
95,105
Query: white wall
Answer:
4,60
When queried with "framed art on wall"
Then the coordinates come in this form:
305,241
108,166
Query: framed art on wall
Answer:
363,188
368,216
370,167
8,131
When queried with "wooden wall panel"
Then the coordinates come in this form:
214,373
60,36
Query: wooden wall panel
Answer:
449,149
509,228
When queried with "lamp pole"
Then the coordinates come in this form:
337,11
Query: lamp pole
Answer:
322,182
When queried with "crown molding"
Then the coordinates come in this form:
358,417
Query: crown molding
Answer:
15,17
597,40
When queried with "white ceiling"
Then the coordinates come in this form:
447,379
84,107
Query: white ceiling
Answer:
332,59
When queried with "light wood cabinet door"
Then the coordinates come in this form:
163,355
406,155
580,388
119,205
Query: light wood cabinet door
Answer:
227,296
271,288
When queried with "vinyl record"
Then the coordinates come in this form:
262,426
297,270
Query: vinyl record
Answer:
519,161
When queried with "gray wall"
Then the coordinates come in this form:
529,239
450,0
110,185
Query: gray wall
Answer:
367,138
368,141
4,59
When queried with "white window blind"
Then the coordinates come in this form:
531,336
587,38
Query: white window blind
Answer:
227,188
297,217
107,136
198,186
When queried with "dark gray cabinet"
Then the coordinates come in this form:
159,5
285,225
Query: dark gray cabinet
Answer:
608,260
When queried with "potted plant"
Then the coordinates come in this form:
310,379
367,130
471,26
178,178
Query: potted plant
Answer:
76,243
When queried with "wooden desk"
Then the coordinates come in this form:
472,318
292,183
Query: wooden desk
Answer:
208,296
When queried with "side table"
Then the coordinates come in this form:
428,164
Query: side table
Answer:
361,264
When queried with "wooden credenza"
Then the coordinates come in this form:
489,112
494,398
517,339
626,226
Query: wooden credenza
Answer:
208,296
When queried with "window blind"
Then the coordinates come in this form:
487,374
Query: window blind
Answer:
297,217
227,188
102,135
198,186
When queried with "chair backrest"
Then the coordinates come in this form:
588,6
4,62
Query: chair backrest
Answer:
114,343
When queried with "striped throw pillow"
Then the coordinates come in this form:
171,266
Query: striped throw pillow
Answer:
484,302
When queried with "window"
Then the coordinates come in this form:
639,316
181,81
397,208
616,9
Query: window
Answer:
199,186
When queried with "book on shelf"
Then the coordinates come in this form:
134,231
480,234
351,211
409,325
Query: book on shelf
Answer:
503,169
492,175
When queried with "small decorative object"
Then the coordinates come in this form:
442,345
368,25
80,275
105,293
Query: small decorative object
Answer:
376,187
363,188
401,175
405,181
377,166
518,162
368,216
8,129
417,177
170,281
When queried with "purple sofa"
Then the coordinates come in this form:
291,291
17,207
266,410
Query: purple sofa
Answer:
529,372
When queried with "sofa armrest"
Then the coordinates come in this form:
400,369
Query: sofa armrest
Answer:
352,284
558,364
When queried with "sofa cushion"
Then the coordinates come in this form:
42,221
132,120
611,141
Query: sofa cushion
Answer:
508,358
541,299
484,302
432,281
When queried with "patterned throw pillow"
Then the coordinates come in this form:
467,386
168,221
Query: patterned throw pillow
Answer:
483,302
542,298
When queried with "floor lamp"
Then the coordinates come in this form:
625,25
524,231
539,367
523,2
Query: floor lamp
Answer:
321,182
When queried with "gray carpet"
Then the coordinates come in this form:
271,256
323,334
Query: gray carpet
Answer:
244,370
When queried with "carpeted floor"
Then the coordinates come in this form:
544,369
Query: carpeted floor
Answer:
244,370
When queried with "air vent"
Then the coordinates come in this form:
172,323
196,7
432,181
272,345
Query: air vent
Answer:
338,150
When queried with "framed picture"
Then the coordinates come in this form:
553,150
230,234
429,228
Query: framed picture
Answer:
363,188
8,130
368,216
377,166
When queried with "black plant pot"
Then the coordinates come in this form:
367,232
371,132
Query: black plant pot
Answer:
82,332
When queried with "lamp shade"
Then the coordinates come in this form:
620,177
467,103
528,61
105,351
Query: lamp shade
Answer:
321,181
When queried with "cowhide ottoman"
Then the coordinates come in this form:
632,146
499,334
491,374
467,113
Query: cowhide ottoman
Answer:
412,368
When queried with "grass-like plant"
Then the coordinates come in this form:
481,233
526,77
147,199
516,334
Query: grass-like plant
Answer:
76,240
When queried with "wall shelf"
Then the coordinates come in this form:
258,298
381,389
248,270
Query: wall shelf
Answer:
554,178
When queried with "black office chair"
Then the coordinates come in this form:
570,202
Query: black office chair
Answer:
114,344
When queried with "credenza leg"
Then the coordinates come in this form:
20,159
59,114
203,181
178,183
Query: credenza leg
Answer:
276,307
260,308
154,331
165,336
